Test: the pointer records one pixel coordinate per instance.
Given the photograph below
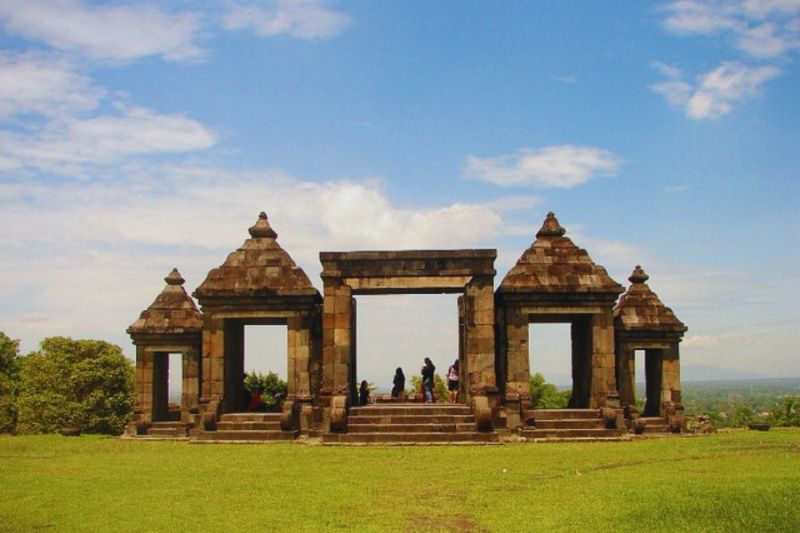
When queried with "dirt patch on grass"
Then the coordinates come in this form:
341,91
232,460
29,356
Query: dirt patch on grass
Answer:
444,523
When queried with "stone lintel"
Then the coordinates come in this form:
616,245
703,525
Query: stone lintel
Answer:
408,263
171,348
163,342
256,304
406,285
542,313
642,344
260,317
662,339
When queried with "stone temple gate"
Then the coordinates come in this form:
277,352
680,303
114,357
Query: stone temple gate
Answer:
553,281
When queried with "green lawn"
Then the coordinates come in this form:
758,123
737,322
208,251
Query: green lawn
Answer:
738,481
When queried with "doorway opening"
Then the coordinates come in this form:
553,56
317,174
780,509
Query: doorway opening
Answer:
550,349
167,386
254,347
399,331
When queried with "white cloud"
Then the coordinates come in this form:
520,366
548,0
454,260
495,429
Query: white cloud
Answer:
717,91
103,139
765,40
85,257
552,166
306,19
115,32
32,83
715,341
759,28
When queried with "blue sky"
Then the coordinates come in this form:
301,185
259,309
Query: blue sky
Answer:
135,137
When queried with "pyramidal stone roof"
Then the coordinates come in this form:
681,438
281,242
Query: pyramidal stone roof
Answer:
173,311
553,264
640,310
259,268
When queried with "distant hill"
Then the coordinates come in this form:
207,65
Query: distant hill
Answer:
715,373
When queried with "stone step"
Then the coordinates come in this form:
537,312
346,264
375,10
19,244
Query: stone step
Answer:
163,424
411,409
570,433
248,435
410,428
571,423
655,424
225,425
561,414
166,432
401,437
250,417
164,428
411,419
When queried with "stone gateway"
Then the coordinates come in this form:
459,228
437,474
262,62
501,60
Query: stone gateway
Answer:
553,281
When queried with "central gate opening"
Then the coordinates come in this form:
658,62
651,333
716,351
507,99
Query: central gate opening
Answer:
398,331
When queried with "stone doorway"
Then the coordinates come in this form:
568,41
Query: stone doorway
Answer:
469,273
558,350
237,361
399,331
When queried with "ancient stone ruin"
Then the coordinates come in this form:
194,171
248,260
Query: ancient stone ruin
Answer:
553,281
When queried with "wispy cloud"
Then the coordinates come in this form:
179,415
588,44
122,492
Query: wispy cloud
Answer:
762,30
113,32
715,93
759,28
35,83
306,19
69,142
564,166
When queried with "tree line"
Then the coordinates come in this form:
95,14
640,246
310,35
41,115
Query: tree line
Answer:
81,384
89,385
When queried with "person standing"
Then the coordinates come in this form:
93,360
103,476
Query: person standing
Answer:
399,384
452,381
363,393
427,380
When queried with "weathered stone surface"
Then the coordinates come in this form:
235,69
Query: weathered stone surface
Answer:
553,264
259,268
640,311
172,312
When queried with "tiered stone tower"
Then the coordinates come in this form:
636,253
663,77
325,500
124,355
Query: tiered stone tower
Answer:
259,283
644,323
172,324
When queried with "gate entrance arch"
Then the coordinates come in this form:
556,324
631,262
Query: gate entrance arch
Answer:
347,274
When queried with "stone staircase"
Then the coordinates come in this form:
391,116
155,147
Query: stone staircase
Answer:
568,424
248,427
411,423
655,425
168,430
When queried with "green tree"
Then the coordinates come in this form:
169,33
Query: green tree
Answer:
440,392
271,387
9,382
87,384
545,395
786,412
742,415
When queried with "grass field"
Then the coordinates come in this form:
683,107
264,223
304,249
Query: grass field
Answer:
741,481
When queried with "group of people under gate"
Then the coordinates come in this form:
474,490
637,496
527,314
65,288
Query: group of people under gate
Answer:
427,392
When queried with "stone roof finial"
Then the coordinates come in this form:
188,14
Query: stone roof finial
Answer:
174,278
551,227
262,229
638,275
